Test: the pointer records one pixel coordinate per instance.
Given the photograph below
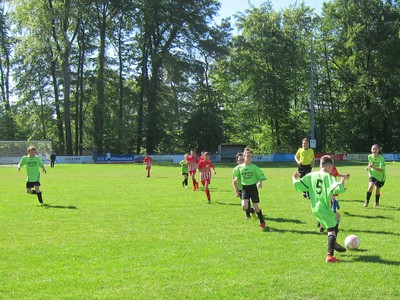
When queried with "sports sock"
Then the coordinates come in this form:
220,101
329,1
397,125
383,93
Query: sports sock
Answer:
248,211
377,197
368,196
39,195
260,216
185,182
208,194
331,244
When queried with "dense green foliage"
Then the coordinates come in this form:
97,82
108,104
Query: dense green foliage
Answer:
162,76
108,232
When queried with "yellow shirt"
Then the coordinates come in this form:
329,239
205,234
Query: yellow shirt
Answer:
306,156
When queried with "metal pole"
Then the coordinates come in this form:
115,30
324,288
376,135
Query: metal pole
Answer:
312,89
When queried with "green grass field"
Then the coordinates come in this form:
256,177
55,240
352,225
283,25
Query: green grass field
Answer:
108,232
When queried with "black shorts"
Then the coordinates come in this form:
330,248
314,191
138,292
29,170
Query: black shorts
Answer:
378,183
250,192
30,185
304,170
183,173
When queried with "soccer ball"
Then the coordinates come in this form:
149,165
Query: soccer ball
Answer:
352,242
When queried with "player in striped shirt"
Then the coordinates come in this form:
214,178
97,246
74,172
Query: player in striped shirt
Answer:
193,161
205,166
148,161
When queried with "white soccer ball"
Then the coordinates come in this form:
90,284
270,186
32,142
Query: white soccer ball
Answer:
352,242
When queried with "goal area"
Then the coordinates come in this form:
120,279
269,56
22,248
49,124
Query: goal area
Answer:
12,151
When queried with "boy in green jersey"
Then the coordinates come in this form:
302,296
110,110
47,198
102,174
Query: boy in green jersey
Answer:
32,163
185,171
376,173
240,160
251,177
321,186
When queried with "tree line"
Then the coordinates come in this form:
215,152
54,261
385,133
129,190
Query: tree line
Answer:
159,76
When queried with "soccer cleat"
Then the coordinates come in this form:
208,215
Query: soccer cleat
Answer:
376,204
339,248
262,225
366,203
332,259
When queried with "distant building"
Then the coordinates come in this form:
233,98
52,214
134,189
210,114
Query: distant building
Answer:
228,151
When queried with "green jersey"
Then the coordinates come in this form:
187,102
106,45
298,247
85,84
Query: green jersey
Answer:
184,166
379,162
32,167
321,186
248,175
234,175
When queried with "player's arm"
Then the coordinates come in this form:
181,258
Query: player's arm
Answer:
371,165
235,185
297,158
259,184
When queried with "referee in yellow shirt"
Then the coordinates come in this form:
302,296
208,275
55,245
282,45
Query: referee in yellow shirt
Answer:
305,160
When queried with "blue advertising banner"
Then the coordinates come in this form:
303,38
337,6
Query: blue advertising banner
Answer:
114,159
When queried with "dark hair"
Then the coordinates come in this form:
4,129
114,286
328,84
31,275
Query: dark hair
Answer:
239,154
326,160
379,148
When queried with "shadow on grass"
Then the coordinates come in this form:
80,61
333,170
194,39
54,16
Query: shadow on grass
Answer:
372,232
270,229
59,206
282,220
352,200
376,259
366,217
231,204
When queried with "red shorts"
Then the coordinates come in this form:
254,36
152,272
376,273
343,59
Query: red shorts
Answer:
148,168
203,182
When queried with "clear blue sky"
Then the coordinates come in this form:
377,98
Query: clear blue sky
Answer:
231,7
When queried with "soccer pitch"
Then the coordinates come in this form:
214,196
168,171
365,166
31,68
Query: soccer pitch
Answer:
109,232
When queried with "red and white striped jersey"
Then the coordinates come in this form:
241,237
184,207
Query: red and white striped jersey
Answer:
192,161
205,167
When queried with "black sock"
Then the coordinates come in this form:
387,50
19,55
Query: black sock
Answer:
260,216
248,211
368,196
331,244
377,198
39,195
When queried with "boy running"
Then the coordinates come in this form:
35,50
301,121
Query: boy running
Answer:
193,161
32,163
205,166
184,169
376,174
251,177
321,186
148,161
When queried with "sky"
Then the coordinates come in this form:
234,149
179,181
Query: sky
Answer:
231,7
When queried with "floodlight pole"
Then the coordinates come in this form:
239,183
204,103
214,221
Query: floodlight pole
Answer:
312,21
